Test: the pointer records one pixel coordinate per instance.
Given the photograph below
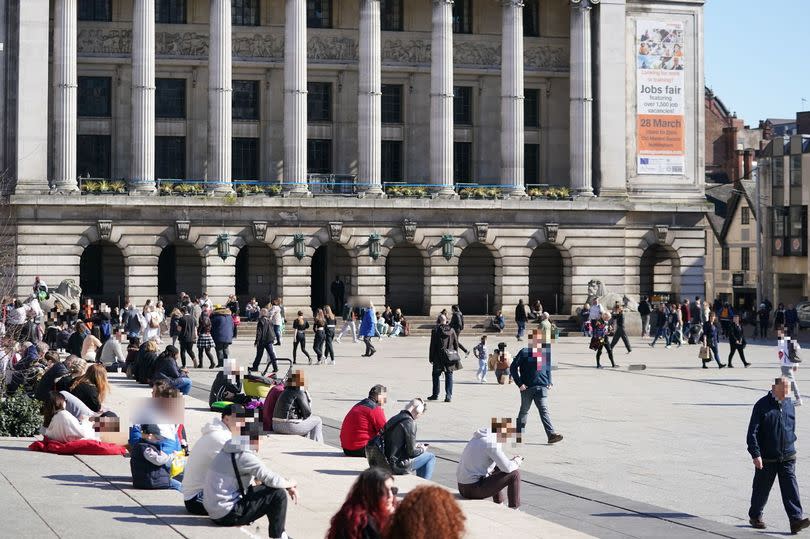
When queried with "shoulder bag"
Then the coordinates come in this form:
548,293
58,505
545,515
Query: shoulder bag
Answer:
452,359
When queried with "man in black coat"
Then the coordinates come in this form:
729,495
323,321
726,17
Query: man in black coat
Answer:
188,329
457,323
442,338
265,336
338,290
402,453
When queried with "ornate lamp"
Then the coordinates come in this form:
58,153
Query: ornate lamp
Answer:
298,246
374,245
223,246
447,246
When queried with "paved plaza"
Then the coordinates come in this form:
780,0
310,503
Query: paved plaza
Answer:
668,441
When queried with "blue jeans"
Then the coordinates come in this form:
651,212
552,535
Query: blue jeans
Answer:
539,396
175,484
448,383
763,481
423,465
183,384
660,332
521,324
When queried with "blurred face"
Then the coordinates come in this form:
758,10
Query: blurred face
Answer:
382,398
781,389
390,495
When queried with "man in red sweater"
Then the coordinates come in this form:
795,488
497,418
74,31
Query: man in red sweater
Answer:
363,422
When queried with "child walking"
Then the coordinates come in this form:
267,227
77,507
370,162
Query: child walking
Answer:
482,353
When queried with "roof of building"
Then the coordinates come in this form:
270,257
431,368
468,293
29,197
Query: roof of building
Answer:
726,197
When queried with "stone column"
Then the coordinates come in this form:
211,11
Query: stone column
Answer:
65,91
142,179
369,101
295,99
512,98
441,98
581,110
220,93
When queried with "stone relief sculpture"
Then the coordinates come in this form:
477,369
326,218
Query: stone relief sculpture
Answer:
598,291
342,48
411,51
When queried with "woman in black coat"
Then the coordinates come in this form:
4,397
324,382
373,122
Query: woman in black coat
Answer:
618,328
442,338
736,339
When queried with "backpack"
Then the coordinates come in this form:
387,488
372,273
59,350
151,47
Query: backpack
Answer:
153,321
793,353
134,323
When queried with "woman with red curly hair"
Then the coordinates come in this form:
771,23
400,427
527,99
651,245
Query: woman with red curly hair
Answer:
368,507
427,513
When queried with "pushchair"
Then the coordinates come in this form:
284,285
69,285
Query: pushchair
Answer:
695,332
258,385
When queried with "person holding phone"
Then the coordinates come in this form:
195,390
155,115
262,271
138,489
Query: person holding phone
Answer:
484,469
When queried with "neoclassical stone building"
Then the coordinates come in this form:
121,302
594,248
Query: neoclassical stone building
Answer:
366,126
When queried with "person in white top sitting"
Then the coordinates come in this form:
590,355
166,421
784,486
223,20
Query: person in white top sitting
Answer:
112,356
484,470
788,350
62,426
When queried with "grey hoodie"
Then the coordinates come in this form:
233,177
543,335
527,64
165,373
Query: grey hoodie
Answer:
221,491
480,457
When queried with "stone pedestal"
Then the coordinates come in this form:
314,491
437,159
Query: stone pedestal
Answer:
142,179
295,98
441,98
220,95
65,91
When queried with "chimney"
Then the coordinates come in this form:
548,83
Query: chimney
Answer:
739,165
748,163
803,123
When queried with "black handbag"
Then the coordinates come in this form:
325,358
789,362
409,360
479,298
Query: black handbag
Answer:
452,359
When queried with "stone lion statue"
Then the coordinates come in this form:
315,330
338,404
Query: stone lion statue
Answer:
598,291
66,293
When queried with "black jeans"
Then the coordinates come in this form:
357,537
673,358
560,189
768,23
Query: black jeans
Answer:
458,339
208,354
608,349
300,340
448,383
260,350
736,348
763,481
317,344
330,336
258,502
222,351
195,505
620,334
354,452
187,348
369,348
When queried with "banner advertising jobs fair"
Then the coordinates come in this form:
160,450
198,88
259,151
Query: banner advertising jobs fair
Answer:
660,110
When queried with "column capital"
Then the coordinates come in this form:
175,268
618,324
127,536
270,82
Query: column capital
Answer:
512,3
583,4
440,2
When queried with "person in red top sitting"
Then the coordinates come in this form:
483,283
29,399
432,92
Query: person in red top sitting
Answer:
363,422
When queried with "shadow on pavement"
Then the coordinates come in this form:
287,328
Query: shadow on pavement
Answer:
645,515
87,481
314,453
338,472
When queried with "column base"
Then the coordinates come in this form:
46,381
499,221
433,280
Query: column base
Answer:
515,192
613,193
297,192
64,190
583,193
140,189
446,192
373,192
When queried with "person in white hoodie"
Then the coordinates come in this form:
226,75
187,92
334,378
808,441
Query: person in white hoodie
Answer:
788,350
485,470
214,436
229,496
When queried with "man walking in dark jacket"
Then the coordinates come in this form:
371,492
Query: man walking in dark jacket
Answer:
265,336
222,331
457,323
531,371
188,328
442,338
771,435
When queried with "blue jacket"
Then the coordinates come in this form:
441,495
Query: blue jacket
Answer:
368,327
222,326
525,372
772,430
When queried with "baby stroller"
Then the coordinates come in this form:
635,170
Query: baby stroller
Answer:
258,385
695,332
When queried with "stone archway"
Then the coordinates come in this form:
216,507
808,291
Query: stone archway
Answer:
330,260
101,274
659,273
180,269
547,278
405,280
256,274
476,280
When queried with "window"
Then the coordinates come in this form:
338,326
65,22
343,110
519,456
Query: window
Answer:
319,13
531,18
95,10
462,105
724,258
94,96
795,170
391,155
462,162
391,103
93,156
245,12
170,158
245,100
462,16
319,101
391,15
778,171
170,11
745,215
531,107
531,163
170,98
245,164
319,156
745,258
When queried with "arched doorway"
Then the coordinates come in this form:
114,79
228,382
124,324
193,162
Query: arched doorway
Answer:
405,280
329,261
546,276
476,280
256,274
659,274
101,274
180,269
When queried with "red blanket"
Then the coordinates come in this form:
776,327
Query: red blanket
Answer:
77,447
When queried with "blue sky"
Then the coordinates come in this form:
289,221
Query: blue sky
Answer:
758,56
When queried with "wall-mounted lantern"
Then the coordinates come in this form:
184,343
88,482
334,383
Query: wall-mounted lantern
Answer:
447,246
223,246
374,245
298,246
